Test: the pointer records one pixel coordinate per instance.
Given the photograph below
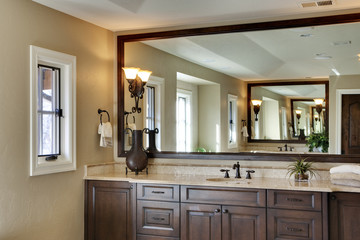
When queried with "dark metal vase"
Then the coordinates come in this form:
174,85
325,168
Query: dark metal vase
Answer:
152,141
136,158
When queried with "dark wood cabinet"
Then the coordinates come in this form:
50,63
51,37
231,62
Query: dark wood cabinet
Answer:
243,223
200,222
344,216
109,210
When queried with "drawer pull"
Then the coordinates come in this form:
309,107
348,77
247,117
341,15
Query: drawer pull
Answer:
158,192
294,200
217,210
158,219
294,229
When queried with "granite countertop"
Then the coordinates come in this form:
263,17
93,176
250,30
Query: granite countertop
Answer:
216,181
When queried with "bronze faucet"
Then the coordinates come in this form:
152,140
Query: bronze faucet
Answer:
237,167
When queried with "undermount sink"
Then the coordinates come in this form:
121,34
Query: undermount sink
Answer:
230,180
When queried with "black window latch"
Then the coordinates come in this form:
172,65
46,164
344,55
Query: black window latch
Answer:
51,158
59,112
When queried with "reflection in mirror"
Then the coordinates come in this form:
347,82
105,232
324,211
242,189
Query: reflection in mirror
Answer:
191,71
286,110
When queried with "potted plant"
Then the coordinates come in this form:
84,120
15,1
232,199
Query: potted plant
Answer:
301,169
318,141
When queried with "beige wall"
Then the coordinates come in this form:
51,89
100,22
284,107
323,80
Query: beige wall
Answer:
50,206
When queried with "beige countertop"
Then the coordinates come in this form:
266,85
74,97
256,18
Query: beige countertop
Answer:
217,181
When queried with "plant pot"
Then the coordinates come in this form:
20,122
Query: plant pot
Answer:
301,177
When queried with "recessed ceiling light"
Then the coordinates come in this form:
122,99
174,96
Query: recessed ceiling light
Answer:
322,56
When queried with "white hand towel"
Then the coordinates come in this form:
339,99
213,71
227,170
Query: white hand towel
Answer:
132,126
105,131
244,132
346,168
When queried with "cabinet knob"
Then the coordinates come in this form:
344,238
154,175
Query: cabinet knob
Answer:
225,211
217,210
333,197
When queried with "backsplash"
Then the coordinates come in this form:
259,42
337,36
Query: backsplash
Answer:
268,169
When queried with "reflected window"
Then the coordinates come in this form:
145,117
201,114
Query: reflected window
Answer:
183,121
49,111
150,108
232,121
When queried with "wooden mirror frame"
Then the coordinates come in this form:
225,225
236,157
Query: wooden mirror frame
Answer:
289,83
292,23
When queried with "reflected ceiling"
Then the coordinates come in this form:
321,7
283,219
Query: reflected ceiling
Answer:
311,52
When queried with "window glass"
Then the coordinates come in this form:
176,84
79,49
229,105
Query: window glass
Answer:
48,110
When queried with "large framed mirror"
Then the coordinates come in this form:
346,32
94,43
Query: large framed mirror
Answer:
200,78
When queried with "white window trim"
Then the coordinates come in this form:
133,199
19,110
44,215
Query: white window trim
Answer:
67,63
234,99
188,95
339,93
158,84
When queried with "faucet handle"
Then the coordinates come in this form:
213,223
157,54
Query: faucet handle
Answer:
291,149
280,149
248,176
226,172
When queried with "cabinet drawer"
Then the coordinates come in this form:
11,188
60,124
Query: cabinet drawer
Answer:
229,196
294,200
158,192
285,224
146,237
158,218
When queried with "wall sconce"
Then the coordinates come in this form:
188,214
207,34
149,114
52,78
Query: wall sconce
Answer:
298,115
137,79
319,104
256,104
316,118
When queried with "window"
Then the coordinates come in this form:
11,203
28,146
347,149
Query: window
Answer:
150,108
232,121
52,109
48,111
183,122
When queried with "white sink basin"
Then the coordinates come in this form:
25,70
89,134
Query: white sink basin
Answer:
229,180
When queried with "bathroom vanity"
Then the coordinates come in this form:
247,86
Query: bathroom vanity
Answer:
198,207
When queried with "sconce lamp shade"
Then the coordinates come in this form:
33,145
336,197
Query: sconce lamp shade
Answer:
130,73
319,104
256,102
318,101
144,75
298,115
297,111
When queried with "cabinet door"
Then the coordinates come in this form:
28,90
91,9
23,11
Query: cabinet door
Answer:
344,216
243,223
108,213
200,222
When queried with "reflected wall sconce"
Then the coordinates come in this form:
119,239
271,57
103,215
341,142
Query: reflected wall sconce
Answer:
298,115
319,104
316,118
256,104
137,79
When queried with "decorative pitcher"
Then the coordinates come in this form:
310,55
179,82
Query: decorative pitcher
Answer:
136,158
152,140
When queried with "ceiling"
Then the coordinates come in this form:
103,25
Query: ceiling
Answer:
300,53
122,15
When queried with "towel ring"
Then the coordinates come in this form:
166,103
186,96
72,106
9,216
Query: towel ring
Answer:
100,111
127,115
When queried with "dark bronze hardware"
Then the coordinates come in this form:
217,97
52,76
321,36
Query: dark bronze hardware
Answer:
237,167
294,229
333,197
225,211
226,172
248,175
51,158
294,200
158,192
158,219
217,210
